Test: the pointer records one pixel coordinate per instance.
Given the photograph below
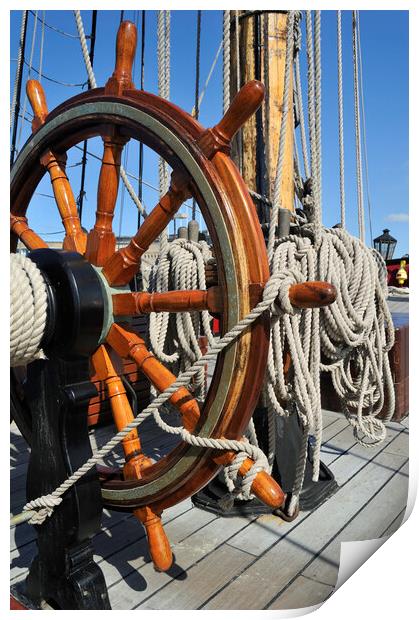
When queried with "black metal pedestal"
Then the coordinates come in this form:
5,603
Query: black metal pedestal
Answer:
289,437
63,573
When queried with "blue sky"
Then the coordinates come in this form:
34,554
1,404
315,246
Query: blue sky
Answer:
384,36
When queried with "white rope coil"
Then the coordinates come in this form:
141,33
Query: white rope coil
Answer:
28,310
350,338
175,339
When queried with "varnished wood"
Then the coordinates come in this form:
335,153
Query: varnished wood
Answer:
101,239
249,262
75,238
36,96
128,344
130,304
126,43
312,294
243,106
121,409
264,486
123,264
158,543
136,461
19,226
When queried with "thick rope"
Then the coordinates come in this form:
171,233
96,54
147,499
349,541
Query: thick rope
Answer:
19,65
42,507
175,339
340,110
28,310
93,84
28,75
360,193
226,60
163,72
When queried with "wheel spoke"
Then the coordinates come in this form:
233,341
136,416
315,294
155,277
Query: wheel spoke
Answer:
29,238
129,304
121,409
136,461
128,344
124,264
101,239
75,238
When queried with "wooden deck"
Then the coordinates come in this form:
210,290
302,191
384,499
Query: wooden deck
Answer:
242,563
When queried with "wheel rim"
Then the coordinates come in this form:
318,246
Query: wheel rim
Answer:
187,468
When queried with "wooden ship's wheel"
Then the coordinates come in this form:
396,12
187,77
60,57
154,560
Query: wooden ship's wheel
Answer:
89,279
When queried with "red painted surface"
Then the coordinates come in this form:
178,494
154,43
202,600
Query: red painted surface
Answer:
14,604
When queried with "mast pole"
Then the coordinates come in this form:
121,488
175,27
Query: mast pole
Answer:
262,37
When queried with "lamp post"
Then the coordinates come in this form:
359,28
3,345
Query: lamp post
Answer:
385,244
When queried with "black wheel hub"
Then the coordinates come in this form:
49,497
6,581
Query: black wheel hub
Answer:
76,303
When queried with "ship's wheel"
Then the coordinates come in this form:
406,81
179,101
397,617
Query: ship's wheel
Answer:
96,276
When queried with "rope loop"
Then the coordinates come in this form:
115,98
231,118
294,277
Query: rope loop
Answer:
28,310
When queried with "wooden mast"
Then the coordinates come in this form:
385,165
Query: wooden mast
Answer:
262,44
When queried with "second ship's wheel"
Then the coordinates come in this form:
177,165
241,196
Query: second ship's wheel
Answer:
93,277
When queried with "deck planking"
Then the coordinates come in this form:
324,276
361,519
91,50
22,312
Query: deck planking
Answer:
227,563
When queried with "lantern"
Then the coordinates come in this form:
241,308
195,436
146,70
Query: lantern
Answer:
385,244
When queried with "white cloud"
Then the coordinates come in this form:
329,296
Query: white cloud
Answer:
398,217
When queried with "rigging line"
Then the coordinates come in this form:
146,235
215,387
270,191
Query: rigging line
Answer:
93,84
301,114
364,131
17,88
141,153
361,223
226,60
197,63
122,199
121,17
41,48
66,34
84,158
197,68
210,72
50,79
340,110
238,81
318,100
28,75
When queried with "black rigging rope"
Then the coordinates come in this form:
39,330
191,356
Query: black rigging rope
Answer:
19,72
50,79
84,156
55,29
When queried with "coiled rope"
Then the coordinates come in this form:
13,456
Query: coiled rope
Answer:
28,310
175,339
352,337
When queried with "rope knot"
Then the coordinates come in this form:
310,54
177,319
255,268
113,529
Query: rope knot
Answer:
44,507
277,291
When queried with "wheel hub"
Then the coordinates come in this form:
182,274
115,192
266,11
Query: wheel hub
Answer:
77,303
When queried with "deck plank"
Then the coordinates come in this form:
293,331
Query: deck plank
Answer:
300,544
220,560
371,521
